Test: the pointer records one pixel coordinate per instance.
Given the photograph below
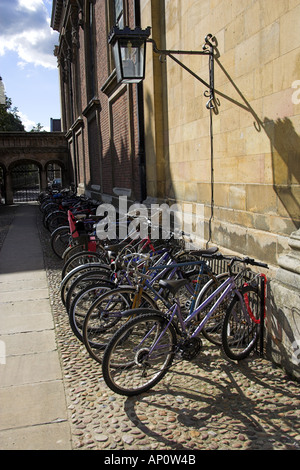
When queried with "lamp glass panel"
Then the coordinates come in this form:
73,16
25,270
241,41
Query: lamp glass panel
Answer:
117,60
132,57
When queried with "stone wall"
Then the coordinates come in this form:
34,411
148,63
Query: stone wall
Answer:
239,162
251,179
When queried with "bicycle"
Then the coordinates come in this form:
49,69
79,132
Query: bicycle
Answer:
107,310
142,351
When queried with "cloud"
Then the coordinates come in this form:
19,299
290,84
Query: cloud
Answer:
25,29
27,123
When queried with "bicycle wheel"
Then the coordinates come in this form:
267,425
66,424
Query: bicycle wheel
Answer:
60,239
81,304
78,259
241,327
83,281
138,356
55,220
74,248
72,275
105,316
212,329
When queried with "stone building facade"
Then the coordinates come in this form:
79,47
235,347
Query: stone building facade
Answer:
231,163
238,163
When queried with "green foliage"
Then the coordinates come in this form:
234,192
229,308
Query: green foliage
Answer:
9,119
37,128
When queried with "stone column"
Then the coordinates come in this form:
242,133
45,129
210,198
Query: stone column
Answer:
283,344
9,196
43,181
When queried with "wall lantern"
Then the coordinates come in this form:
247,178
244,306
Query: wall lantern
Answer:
129,50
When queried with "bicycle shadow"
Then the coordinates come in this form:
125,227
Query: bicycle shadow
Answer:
284,145
216,406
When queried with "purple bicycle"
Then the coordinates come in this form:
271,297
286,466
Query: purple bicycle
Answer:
142,351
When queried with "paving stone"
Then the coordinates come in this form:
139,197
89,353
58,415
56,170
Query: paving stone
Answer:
207,404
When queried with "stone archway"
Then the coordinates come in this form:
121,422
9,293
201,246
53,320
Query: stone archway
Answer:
37,148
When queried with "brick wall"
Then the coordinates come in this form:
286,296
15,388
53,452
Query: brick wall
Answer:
107,156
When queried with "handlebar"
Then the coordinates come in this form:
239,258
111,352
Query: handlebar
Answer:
236,259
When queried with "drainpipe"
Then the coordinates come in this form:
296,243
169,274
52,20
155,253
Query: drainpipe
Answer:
140,111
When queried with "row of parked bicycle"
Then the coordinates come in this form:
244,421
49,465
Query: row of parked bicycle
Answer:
138,305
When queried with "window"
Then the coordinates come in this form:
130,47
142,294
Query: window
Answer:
116,16
90,51
118,13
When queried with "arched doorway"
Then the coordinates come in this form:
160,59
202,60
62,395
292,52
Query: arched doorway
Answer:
25,181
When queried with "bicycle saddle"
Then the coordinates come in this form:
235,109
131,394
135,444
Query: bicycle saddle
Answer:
173,286
209,251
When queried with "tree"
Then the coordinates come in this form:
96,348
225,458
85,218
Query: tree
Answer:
9,119
37,128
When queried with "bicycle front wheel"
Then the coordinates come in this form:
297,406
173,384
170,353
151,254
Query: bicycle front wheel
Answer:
82,302
241,327
83,257
138,356
60,239
105,316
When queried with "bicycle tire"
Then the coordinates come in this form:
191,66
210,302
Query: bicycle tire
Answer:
212,329
73,249
60,239
81,304
82,281
104,317
80,258
72,275
55,220
49,206
127,355
47,215
240,331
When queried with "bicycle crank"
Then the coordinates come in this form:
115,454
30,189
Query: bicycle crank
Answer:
190,348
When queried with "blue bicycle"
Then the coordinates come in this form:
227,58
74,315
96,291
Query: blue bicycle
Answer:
142,351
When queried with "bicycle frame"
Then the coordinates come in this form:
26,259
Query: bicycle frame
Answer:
224,290
174,266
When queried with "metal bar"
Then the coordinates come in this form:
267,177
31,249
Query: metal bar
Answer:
262,316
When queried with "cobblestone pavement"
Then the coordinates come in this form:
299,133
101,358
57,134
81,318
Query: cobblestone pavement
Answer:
207,404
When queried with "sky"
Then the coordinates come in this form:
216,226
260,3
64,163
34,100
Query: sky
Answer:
28,66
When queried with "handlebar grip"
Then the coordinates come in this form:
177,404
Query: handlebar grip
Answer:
263,265
255,263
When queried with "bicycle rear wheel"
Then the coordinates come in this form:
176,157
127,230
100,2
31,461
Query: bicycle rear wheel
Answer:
137,358
241,327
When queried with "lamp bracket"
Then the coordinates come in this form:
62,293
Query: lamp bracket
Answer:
208,50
